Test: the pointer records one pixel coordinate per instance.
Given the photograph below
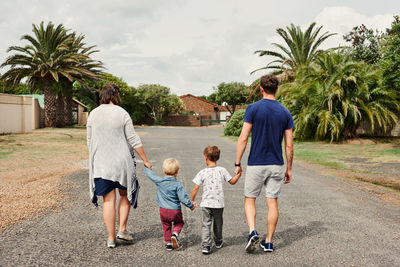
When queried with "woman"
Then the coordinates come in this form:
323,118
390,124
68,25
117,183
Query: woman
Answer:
111,140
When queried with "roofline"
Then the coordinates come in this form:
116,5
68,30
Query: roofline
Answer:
80,103
202,99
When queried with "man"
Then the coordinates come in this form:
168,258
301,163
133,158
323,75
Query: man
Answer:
269,123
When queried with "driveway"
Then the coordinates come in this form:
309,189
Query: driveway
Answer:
325,221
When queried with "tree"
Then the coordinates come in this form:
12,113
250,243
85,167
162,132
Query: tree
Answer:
254,92
51,57
330,98
88,92
301,48
19,89
211,97
365,44
158,100
90,72
390,62
233,93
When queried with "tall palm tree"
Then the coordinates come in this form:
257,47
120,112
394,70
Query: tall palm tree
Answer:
331,97
53,55
302,47
90,71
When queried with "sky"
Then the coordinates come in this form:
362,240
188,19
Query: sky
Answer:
188,46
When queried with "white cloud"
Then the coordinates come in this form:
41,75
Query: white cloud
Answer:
342,19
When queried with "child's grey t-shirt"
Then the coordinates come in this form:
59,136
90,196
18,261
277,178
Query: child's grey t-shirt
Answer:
212,179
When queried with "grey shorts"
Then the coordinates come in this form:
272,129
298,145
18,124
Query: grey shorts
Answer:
269,176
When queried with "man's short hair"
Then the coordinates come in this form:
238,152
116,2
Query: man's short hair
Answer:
170,166
269,83
212,153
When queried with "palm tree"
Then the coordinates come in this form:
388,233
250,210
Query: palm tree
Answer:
300,51
89,71
331,97
52,57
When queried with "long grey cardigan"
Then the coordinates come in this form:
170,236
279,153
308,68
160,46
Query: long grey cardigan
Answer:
111,139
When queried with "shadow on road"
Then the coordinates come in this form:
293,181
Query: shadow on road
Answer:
151,231
195,240
293,234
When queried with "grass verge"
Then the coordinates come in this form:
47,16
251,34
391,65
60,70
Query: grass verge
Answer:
375,161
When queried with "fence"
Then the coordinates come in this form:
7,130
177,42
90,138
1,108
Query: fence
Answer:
365,128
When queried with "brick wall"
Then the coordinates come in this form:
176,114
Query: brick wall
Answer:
182,120
175,120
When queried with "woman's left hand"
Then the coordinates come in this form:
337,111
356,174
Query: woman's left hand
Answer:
148,165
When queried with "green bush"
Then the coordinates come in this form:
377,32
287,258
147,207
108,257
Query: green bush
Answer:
235,124
159,121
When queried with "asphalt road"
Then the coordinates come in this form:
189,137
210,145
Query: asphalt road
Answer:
324,221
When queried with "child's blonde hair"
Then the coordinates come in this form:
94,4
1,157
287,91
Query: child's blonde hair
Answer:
170,166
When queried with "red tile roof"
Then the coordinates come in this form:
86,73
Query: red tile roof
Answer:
199,98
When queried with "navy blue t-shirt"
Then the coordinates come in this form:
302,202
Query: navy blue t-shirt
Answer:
270,119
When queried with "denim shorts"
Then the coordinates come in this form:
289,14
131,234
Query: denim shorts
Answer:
103,186
270,177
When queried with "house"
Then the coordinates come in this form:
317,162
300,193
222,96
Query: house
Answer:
200,106
80,112
207,109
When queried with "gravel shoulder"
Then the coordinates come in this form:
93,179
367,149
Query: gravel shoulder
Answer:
324,220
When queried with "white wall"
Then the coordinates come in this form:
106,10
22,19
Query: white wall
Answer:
16,113
223,114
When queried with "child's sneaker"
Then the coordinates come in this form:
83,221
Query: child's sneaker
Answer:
168,246
218,244
268,247
176,243
252,242
206,250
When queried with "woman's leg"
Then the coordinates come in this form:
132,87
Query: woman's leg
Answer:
123,210
109,213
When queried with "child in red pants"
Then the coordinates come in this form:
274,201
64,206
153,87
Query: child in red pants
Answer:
170,195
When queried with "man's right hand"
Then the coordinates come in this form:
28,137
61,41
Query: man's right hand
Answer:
238,170
288,176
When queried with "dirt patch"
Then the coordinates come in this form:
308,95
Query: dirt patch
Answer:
31,171
361,141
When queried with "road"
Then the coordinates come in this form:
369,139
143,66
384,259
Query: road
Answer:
325,221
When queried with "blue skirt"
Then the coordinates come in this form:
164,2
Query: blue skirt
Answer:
103,186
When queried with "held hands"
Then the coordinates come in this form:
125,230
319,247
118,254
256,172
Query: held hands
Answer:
148,165
288,176
194,206
238,170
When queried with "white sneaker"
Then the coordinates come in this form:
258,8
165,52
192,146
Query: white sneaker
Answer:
124,236
111,243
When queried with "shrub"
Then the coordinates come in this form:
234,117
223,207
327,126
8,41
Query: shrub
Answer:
235,124
159,121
